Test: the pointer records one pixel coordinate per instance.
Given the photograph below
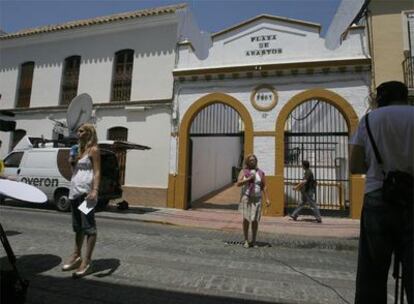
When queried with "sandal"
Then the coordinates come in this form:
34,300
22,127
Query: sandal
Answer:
82,273
72,265
246,244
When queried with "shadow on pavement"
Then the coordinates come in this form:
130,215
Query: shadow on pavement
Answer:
257,244
130,210
345,213
12,232
14,284
305,219
208,205
45,289
15,203
105,267
95,288
33,264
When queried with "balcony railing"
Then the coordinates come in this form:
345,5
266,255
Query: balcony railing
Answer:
408,68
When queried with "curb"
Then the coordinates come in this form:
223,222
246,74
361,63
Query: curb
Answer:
272,239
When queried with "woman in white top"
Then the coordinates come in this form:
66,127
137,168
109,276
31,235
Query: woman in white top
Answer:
84,186
253,183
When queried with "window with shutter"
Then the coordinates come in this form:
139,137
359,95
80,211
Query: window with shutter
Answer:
122,76
25,85
70,79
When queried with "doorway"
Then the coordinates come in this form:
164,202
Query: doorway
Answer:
215,156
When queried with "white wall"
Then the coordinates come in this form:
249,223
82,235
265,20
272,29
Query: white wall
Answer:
298,43
150,127
154,59
144,168
153,40
213,159
352,86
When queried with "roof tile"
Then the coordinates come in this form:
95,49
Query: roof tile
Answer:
93,21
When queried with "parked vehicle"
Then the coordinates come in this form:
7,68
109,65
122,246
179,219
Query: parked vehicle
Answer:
48,169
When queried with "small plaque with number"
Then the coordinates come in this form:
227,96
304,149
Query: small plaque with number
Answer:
264,98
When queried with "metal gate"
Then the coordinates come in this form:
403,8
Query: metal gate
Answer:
316,131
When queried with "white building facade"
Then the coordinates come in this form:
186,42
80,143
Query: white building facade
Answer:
152,73
146,42
266,69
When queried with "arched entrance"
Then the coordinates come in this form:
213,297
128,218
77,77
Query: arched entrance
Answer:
182,178
308,100
216,156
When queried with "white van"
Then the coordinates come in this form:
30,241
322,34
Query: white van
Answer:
49,170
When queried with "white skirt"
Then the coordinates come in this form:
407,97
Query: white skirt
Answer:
251,207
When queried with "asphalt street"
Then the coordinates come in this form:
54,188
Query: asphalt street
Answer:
136,262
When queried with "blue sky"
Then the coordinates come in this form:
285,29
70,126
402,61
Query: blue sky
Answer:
212,15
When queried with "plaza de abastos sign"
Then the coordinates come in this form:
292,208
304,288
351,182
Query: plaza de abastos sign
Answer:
264,97
263,46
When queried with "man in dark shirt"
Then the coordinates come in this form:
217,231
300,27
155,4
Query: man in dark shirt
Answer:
307,187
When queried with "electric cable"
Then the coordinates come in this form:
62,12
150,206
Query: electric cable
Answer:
307,115
315,280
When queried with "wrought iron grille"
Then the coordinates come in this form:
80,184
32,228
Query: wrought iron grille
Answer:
217,119
70,79
316,131
122,77
408,66
408,63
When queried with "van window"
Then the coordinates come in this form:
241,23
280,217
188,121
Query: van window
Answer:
41,159
13,160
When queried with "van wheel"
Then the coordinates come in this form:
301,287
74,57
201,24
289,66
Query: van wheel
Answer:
62,201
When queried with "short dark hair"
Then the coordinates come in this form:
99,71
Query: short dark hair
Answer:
306,164
390,91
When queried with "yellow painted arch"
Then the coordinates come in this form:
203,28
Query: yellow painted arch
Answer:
181,180
351,119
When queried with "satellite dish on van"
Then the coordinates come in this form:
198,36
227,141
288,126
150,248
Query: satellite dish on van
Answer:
345,14
79,112
22,192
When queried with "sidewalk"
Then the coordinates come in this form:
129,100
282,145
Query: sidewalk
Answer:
230,220
226,220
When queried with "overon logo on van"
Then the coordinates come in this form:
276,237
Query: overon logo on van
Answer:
35,181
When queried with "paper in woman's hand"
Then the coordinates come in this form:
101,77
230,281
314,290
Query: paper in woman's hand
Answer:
87,206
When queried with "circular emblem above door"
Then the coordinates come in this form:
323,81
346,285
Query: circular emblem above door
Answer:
264,97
